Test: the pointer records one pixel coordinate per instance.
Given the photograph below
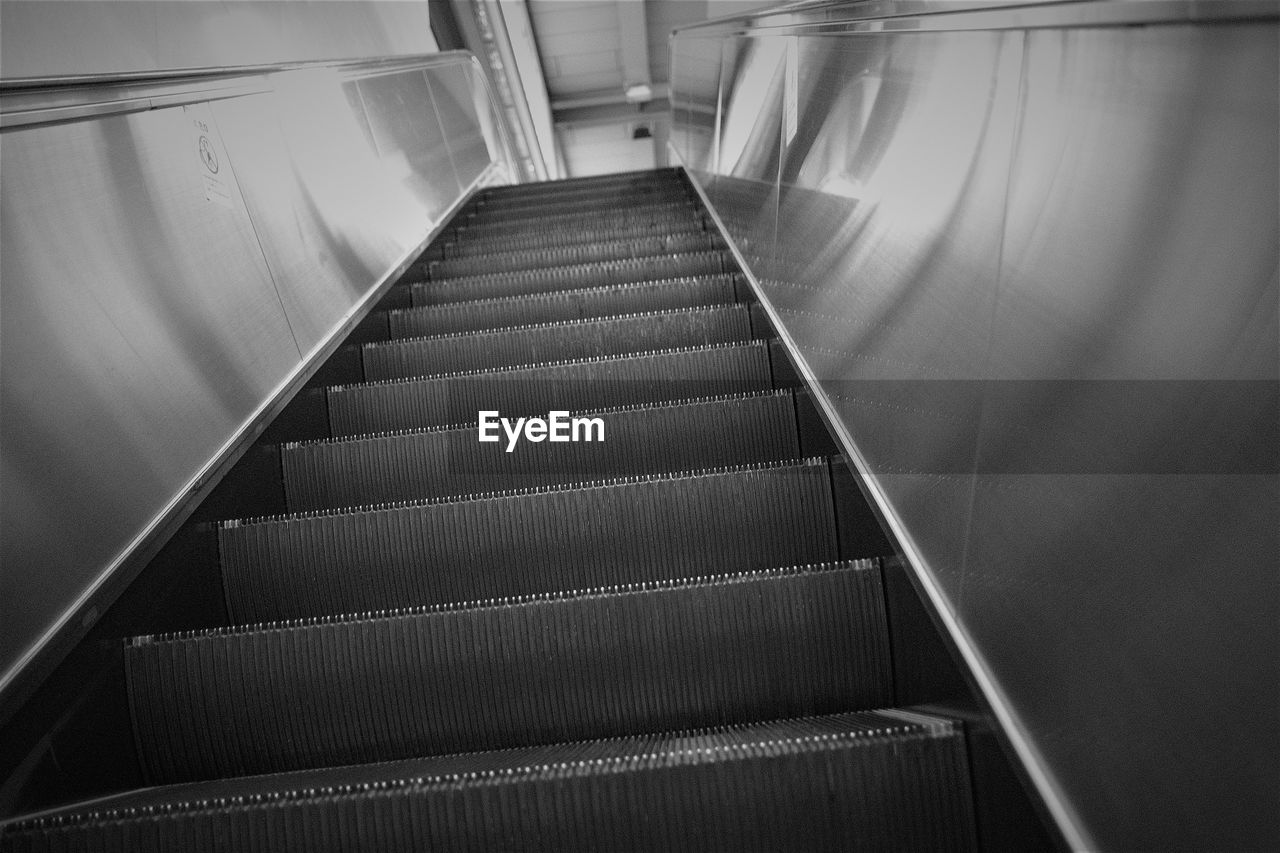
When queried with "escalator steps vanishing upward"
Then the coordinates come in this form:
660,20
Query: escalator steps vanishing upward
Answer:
670,634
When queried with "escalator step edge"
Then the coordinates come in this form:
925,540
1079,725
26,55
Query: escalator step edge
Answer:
886,780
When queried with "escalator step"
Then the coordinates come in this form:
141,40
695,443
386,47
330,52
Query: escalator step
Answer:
576,339
595,663
576,276
589,197
565,305
507,242
889,780
548,230
582,253
546,220
568,186
706,433
516,209
456,398
474,547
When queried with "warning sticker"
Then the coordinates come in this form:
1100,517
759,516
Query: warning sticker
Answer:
210,157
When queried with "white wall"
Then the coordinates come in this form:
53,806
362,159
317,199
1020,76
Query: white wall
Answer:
40,38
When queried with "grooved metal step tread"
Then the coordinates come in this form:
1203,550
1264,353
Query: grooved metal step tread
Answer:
548,230
550,342
587,303
602,196
508,242
670,210
703,433
514,209
582,253
885,780
621,380
573,665
574,536
571,186
570,277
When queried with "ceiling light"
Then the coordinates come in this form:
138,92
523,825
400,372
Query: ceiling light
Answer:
640,93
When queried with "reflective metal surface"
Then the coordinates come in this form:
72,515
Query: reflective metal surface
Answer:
38,38
168,275
1034,273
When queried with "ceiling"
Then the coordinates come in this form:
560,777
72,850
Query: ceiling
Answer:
591,51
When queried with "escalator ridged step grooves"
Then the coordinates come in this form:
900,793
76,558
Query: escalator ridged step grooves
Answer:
508,242
557,256
673,638
655,527
603,198
637,297
542,212
551,279
542,220
870,781
575,339
429,401
681,435
635,657
601,184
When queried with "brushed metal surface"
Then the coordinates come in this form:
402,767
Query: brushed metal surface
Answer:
139,329
454,92
156,303
402,115
1034,274
89,37
696,64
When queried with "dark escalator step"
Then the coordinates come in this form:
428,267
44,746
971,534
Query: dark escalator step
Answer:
474,547
456,398
888,780
584,253
607,301
596,663
573,277
561,230
591,197
548,342
507,242
706,433
566,217
507,210
617,180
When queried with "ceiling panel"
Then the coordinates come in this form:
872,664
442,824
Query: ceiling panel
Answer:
557,17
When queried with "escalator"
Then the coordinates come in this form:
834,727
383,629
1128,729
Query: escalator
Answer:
659,619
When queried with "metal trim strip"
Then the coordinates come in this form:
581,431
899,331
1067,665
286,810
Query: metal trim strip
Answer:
854,16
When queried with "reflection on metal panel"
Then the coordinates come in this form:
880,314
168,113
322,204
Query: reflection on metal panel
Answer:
693,102
168,277
455,104
1155,462
75,37
140,329
1034,272
407,134
497,145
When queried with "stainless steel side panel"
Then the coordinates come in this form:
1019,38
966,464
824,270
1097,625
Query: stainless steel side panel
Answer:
139,327
693,102
453,91
167,275
1126,520
1034,273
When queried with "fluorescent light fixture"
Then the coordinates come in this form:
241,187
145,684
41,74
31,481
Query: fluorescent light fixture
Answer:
640,93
